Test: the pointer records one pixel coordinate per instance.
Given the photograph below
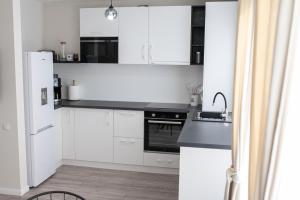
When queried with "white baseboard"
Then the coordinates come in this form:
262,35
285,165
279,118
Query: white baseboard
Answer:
58,164
115,166
15,192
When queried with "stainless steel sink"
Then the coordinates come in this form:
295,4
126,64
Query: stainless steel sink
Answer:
210,117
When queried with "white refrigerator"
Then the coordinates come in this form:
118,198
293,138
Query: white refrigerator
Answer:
39,116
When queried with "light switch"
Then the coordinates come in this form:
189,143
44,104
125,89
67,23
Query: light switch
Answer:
6,127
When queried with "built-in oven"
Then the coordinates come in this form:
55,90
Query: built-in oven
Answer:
99,49
162,130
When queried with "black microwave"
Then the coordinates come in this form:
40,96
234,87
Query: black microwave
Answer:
99,49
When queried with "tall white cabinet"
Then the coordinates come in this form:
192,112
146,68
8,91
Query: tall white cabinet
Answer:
169,35
219,53
133,35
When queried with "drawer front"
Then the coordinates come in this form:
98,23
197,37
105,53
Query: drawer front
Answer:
128,151
161,160
129,124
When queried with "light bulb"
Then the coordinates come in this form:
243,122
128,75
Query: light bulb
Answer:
111,13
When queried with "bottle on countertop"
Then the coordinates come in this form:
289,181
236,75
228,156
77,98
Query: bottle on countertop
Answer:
63,56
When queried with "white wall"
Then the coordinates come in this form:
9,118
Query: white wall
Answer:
13,179
114,82
32,24
131,82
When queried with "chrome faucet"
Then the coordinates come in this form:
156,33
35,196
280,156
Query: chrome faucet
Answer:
225,112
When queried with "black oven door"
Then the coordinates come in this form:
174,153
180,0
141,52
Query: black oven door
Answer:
162,135
99,49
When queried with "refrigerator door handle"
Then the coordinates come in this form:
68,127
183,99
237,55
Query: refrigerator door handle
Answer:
44,128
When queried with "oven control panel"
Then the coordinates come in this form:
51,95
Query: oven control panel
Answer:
165,115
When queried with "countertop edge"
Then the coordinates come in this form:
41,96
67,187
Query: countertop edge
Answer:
101,107
206,146
141,107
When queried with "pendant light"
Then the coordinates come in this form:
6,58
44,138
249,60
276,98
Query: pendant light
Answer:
111,13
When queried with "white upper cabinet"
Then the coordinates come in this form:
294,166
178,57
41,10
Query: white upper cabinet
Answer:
133,35
94,135
219,53
94,24
169,35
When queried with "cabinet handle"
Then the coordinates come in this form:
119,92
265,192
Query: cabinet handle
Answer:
132,141
150,53
143,52
108,118
123,141
128,141
164,161
68,113
127,114
163,122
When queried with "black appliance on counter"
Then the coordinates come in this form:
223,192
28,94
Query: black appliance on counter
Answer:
99,49
162,130
57,88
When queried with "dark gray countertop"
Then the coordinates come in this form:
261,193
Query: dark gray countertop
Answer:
198,134
123,105
216,135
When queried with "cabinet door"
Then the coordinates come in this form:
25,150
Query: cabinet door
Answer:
94,24
161,160
68,133
203,168
129,123
133,35
169,35
128,150
94,135
58,135
219,53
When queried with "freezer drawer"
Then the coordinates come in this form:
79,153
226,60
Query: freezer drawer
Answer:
42,156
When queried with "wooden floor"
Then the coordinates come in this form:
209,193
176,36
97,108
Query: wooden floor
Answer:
103,184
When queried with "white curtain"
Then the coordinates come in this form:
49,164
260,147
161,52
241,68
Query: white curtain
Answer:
262,71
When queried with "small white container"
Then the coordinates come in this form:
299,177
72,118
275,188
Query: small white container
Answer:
70,57
194,100
73,92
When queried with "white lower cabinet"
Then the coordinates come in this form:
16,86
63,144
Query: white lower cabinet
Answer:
94,135
128,151
161,160
108,136
203,173
129,134
128,123
58,136
68,133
